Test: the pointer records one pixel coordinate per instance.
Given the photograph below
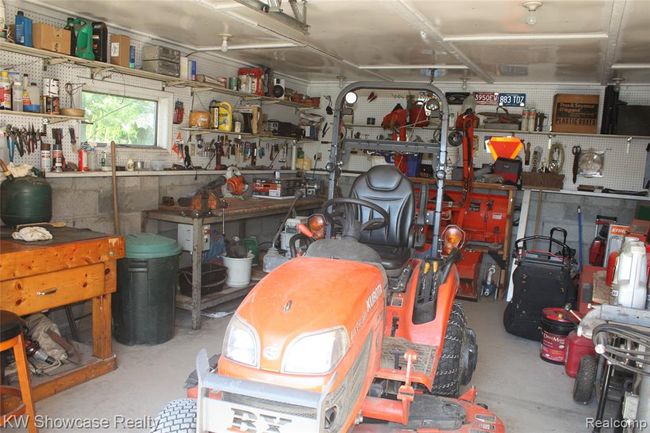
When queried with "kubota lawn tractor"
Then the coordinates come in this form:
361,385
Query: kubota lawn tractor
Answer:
357,335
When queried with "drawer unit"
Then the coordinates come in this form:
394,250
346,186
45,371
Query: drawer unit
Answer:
54,289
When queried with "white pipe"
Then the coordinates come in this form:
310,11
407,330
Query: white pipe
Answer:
271,45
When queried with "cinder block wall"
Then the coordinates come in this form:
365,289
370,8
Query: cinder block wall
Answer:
87,203
560,210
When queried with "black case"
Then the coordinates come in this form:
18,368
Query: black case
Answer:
509,169
100,41
541,280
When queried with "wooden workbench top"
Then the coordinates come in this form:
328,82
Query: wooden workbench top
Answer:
69,248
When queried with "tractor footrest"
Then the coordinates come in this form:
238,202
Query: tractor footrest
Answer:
424,362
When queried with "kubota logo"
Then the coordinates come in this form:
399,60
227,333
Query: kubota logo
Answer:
244,421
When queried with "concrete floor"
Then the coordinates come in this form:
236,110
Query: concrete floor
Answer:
528,394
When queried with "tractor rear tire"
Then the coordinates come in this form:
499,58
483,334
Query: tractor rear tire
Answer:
585,382
448,375
179,416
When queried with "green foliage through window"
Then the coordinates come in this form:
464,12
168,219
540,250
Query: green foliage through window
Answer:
118,118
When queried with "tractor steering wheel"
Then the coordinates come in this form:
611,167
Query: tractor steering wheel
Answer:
346,219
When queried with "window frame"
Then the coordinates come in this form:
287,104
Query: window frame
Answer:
164,99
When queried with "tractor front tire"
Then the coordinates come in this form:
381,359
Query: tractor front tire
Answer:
448,375
585,382
178,416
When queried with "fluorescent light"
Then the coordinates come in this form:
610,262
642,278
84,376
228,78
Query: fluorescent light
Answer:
380,67
631,66
526,37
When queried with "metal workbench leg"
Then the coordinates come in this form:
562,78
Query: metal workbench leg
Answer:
197,250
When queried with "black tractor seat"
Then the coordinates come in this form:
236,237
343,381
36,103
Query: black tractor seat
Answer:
387,187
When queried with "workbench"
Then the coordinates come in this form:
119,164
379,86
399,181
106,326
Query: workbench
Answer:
237,210
76,265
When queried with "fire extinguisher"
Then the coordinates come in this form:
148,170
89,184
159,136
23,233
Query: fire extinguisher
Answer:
179,111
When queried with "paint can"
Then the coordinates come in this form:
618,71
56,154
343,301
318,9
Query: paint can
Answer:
557,324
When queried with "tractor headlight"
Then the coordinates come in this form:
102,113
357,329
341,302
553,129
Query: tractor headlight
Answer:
316,353
241,343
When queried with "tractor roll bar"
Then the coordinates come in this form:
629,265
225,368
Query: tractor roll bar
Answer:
339,145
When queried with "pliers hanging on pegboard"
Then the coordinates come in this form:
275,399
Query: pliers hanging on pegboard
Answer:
11,142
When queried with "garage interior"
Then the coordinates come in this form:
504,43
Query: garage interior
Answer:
318,216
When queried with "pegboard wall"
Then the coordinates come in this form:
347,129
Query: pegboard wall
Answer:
624,165
80,77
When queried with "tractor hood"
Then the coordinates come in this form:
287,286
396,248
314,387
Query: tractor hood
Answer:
308,295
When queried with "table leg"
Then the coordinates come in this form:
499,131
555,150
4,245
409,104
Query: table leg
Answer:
102,344
521,232
143,221
197,251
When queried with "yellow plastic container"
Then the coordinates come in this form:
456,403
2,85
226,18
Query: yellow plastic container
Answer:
225,116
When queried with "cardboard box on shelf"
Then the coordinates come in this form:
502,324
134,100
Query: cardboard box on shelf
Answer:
51,38
575,113
120,50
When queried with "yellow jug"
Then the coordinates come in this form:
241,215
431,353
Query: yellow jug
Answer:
225,116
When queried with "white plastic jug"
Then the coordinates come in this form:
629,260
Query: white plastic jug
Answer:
630,277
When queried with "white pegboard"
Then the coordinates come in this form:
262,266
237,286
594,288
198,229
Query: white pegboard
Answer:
77,75
623,169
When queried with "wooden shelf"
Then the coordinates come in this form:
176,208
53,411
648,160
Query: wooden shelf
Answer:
55,118
241,134
52,58
553,133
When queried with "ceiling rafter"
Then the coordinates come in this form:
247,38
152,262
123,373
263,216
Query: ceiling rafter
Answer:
613,41
439,37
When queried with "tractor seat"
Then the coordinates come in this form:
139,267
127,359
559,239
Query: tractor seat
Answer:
387,187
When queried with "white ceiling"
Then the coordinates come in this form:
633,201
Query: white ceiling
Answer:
573,40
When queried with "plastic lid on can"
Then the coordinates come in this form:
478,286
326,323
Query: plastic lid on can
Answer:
150,246
558,314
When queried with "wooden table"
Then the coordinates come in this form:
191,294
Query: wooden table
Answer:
77,265
237,210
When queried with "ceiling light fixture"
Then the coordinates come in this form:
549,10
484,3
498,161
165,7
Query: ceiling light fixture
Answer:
532,7
389,67
224,42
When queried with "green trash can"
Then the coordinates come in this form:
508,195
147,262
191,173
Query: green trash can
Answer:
145,302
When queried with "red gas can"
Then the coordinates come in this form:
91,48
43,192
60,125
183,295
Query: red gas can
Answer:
576,348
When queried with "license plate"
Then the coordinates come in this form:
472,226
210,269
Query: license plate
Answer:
486,98
512,99
227,417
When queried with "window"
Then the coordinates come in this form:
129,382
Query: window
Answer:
123,119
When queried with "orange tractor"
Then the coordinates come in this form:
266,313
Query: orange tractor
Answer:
355,336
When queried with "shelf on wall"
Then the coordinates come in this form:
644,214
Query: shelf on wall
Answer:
240,134
96,67
553,133
54,118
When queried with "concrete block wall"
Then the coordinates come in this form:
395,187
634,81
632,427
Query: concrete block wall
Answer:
560,210
88,203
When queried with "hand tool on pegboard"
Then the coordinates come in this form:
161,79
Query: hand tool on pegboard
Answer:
576,151
73,139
